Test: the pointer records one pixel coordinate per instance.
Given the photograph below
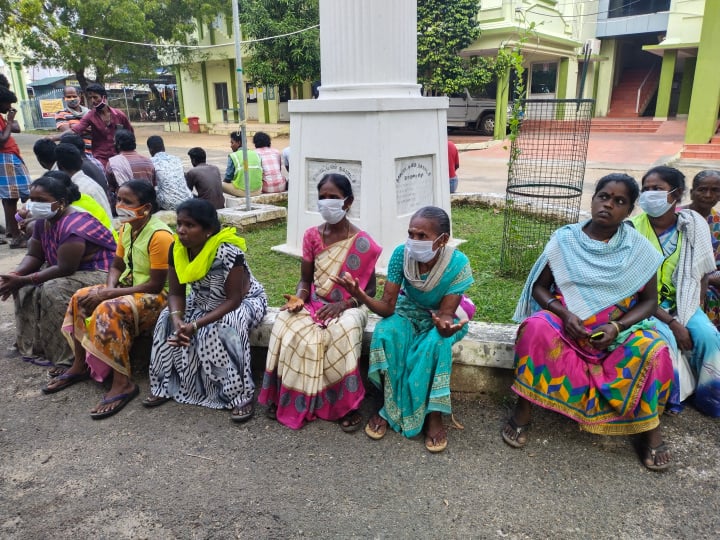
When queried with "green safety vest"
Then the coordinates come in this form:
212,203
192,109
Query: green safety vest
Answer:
254,170
139,270
666,288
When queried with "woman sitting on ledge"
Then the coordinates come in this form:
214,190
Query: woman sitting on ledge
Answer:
201,345
411,349
102,321
68,250
683,240
585,348
312,362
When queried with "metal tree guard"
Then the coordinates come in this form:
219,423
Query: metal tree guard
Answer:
545,177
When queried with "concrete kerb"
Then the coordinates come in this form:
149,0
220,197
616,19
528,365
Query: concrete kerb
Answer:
482,360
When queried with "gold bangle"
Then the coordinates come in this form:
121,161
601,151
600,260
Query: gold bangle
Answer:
616,326
298,291
176,312
194,325
353,299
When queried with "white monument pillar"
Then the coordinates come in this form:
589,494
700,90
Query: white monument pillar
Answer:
369,123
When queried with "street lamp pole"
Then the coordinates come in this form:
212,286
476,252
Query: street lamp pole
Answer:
241,99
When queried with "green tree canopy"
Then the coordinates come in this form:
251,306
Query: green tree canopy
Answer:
290,60
444,29
55,32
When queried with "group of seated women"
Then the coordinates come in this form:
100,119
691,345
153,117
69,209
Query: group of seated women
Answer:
194,292
612,327
613,331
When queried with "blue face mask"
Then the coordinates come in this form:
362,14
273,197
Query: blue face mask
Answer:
655,203
421,250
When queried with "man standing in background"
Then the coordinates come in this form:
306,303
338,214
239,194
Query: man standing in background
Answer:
72,114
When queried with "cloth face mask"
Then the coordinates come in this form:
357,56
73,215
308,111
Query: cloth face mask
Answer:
655,203
126,213
332,210
40,210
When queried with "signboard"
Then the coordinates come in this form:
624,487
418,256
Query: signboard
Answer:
317,168
48,107
413,183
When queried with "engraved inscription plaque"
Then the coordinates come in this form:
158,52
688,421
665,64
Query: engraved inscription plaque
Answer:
413,183
317,168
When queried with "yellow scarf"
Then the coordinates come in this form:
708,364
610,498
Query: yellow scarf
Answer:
187,270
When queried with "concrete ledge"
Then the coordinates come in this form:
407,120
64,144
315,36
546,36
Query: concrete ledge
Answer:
482,361
485,346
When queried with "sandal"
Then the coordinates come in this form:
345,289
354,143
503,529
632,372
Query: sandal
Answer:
63,381
351,422
271,412
517,430
243,413
56,371
376,427
18,243
120,399
154,401
649,456
438,442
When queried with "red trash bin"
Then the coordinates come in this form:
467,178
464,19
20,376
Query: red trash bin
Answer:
194,124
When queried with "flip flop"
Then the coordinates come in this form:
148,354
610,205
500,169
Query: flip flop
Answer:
121,399
650,453
271,412
67,380
154,401
431,441
374,429
239,416
354,420
37,361
518,430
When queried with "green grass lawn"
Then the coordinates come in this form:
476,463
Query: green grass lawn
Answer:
494,295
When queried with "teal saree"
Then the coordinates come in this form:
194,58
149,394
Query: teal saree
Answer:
409,359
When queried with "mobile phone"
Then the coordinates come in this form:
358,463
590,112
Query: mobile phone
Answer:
597,335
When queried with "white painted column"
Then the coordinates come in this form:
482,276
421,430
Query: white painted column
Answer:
368,48
370,123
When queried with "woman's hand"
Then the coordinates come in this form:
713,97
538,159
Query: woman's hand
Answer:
446,325
92,300
331,311
574,326
293,304
9,283
682,336
609,334
182,335
347,282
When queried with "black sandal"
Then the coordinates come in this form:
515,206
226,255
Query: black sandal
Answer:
243,413
354,422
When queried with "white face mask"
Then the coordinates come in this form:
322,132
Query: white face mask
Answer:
40,210
655,203
331,210
420,250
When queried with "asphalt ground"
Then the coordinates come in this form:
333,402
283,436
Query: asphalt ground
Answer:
187,472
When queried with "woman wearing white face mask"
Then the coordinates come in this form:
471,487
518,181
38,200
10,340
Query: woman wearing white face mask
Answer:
68,250
425,314
102,321
684,240
312,363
